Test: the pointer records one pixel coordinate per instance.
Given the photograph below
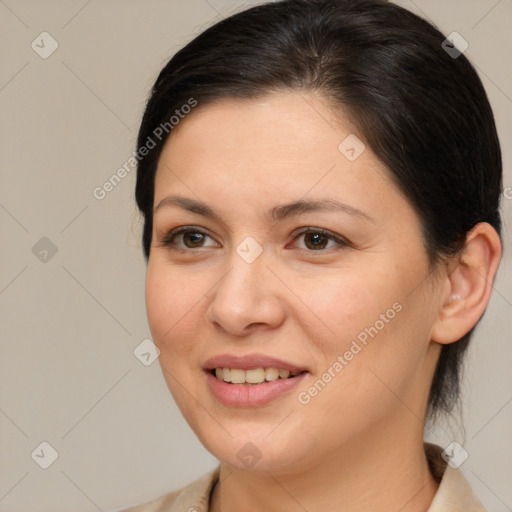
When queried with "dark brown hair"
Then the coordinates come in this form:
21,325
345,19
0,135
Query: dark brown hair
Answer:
422,110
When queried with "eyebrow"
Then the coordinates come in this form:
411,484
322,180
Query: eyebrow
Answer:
276,213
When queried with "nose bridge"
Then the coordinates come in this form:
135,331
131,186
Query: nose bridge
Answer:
245,279
245,295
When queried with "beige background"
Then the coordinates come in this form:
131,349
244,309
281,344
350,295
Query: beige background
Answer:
68,375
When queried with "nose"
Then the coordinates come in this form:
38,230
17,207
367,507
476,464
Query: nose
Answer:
247,297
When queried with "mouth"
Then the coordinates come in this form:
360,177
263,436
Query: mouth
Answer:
253,376
251,380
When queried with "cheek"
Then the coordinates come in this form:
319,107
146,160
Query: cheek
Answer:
170,304
347,302
372,324
158,299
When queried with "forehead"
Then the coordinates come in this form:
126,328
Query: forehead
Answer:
278,147
283,135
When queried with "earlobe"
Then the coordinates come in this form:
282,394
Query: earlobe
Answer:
468,284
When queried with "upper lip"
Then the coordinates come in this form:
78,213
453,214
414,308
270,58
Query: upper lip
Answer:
249,361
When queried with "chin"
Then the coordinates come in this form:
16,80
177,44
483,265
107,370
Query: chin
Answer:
254,450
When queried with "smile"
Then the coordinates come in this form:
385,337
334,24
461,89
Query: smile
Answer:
252,376
251,380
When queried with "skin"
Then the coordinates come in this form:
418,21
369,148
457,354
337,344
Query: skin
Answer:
357,444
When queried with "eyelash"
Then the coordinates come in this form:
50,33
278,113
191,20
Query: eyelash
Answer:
168,240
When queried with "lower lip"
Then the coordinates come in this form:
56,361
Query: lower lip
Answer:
250,395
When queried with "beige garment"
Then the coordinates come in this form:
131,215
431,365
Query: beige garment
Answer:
454,493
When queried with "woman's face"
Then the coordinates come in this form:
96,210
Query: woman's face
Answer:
254,284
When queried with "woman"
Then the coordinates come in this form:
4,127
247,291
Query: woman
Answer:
320,185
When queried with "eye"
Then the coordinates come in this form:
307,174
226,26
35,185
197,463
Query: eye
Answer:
316,239
190,238
185,238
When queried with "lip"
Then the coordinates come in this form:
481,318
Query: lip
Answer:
250,395
250,361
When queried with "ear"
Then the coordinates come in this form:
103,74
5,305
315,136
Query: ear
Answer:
468,284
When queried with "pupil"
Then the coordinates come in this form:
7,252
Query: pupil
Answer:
194,238
316,239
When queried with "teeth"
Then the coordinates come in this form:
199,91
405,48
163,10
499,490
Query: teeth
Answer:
271,374
255,376
237,376
252,376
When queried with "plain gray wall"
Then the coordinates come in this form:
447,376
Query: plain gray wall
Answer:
69,324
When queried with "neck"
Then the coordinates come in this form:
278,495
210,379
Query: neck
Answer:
384,472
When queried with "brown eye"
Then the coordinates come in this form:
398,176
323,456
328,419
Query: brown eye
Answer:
315,240
185,237
319,239
193,239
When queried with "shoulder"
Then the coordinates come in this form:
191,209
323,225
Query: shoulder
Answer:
192,498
